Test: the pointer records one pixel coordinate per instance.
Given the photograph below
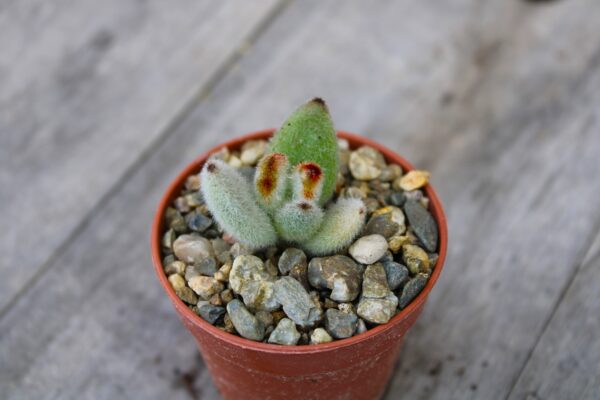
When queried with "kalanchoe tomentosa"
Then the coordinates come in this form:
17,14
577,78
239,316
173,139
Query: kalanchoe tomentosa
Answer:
292,183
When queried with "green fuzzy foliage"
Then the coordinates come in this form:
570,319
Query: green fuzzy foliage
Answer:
343,221
308,135
230,199
298,221
271,181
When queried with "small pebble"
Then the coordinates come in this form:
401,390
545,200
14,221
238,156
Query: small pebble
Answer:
219,245
285,333
395,273
390,172
175,267
238,249
339,324
259,295
415,258
412,288
366,163
246,324
414,179
319,336
361,326
194,199
423,224
168,239
395,215
207,267
397,198
175,220
265,317
234,161
300,273
396,242
192,182
186,294
215,300
197,222
209,312
377,311
368,249
375,282
192,249
346,307
382,225
181,205
252,151
226,295
247,268
297,303
338,273
205,286
176,281
223,273
290,258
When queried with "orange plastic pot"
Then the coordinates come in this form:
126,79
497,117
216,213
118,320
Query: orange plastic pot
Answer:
355,368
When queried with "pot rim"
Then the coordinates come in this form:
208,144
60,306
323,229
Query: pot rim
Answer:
190,317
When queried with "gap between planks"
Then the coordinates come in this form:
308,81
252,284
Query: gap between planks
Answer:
203,93
589,245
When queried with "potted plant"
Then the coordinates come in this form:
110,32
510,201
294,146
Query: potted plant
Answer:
300,263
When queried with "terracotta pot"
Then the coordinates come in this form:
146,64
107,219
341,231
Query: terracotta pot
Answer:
355,368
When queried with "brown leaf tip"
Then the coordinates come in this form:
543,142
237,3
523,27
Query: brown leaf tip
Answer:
311,174
320,102
211,167
304,206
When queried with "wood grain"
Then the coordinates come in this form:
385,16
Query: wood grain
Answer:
87,89
566,360
498,101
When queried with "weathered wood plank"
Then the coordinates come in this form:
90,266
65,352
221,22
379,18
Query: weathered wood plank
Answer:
566,361
490,108
519,184
87,88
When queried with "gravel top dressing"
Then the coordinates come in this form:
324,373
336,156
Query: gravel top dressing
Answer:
282,293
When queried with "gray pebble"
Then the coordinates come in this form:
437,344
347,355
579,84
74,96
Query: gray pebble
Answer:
381,224
377,311
423,224
374,282
175,220
396,274
198,222
297,303
259,295
361,326
289,259
338,273
209,312
246,324
168,239
285,333
339,324
207,267
412,288
397,198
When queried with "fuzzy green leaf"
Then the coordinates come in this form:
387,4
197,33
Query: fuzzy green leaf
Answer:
308,135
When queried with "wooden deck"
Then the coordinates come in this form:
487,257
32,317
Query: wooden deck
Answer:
102,103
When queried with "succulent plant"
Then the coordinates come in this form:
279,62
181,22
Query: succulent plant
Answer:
291,185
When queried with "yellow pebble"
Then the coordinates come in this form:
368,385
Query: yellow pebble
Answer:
414,180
